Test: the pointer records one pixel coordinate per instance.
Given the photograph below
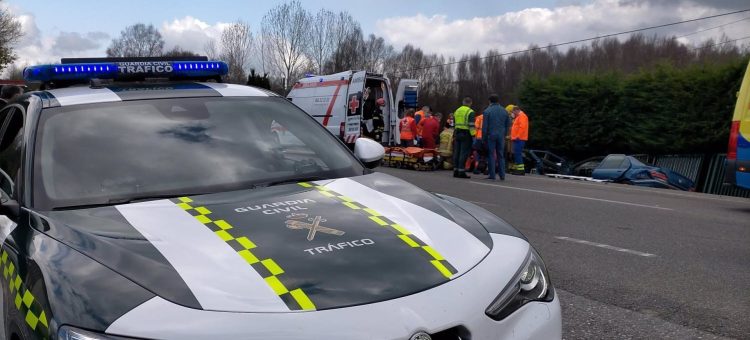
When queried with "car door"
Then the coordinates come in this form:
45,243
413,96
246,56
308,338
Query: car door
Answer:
352,128
611,168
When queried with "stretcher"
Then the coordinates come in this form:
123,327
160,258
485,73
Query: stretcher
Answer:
411,158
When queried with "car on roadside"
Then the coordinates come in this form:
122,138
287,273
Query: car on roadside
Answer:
545,162
585,168
629,170
143,198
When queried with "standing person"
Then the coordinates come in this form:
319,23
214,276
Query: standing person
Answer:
430,130
494,130
408,129
477,145
464,132
9,93
519,135
419,117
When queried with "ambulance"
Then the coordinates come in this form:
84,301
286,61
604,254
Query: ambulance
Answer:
354,104
738,153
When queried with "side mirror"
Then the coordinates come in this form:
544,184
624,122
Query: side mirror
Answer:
369,152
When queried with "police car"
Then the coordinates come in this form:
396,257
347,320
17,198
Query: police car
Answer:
146,199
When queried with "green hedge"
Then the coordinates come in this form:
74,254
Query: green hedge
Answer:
661,110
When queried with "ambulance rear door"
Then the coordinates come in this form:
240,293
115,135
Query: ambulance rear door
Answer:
352,124
323,98
407,95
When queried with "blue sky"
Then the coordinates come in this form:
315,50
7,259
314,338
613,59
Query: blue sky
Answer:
55,29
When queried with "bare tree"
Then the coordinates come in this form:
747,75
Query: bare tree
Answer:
285,36
137,40
322,41
10,34
177,51
211,50
15,71
235,46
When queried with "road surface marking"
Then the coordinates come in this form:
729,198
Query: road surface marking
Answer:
574,196
605,246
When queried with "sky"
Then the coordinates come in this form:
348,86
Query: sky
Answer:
55,29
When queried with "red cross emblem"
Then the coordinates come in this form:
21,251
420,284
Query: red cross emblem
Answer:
353,104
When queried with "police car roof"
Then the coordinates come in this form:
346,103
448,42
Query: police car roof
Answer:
76,95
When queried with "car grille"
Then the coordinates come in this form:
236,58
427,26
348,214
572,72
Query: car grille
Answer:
455,333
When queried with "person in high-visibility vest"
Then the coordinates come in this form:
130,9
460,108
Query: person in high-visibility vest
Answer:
408,129
519,134
464,134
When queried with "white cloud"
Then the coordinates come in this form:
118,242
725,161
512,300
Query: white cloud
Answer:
38,48
541,26
190,33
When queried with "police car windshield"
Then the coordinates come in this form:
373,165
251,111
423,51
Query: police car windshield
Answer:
109,152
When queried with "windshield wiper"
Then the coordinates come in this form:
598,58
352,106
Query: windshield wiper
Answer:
294,180
126,200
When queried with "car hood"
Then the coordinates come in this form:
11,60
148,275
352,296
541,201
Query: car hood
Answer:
301,246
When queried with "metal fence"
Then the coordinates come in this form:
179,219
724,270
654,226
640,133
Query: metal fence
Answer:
687,165
713,183
706,171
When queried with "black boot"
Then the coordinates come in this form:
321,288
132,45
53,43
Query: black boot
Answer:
455,173
462,174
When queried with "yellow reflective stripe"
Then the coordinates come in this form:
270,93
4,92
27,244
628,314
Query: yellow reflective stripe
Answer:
403,233
302,299
23,301
223,232
441,268
245,242
326,193
349,204
306,185
27,298
224,235
400,229
202,210
433,252
248,256
203,219
408,241
272,267
276,285
185,199
372,212
223,224
378,220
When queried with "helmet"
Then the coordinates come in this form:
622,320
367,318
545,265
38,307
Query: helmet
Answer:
380,102
510,108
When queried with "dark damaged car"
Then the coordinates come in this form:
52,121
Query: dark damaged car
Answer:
169,211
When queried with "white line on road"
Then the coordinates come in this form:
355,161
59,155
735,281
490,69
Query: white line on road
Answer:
605,246
573,196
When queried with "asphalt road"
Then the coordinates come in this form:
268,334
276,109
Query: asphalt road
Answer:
628,262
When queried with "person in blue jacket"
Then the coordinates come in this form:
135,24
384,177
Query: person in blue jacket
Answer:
494,130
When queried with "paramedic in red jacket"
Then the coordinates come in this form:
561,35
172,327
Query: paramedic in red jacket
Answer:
430,131
408,128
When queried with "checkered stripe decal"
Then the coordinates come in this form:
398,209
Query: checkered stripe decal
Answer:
295,299
24,301
432,255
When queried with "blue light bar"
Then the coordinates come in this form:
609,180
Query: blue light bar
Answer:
125,70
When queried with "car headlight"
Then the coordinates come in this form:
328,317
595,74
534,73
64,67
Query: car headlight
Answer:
70,333
531,283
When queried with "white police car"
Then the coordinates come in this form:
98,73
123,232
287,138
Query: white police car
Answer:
143,208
